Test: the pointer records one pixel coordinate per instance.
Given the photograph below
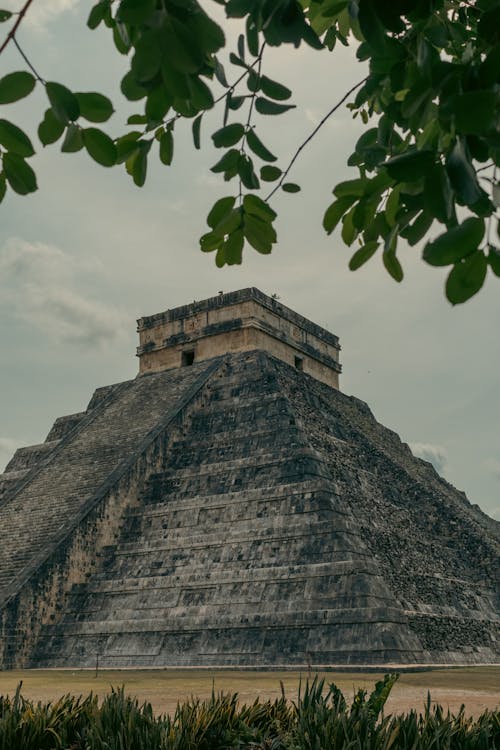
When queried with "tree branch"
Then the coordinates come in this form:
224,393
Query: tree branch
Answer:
311,136
13,30
34,71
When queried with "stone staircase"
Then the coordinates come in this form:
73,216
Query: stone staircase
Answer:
72,500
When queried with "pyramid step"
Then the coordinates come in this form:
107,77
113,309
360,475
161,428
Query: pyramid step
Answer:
279,528
230,573
268,492
179,620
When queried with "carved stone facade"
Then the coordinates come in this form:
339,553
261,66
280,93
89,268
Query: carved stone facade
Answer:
237,322
237,511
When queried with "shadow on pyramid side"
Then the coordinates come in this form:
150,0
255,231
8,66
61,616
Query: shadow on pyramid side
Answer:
238,512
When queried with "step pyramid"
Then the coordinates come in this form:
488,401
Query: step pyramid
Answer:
238,511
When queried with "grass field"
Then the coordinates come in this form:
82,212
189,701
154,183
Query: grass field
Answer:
476,687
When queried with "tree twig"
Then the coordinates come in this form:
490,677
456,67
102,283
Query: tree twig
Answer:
35,72
311,136
13,30
250,111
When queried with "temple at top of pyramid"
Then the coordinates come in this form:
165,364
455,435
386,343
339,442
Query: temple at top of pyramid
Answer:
237,322
230,506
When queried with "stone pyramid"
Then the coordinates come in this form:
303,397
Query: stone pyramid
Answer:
230,506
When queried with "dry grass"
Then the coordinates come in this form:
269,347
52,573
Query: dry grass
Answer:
477,687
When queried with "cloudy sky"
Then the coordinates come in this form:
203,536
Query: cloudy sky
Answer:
89,253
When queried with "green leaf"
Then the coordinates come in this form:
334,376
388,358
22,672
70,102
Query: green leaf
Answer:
136,12
121,37
392,206
137,165
235,60
252,35
19,174
362,255
241,46
335,212
94,107
229,135
494,260
220,73
355,188
220,257
64,103
380,694
235,102
256,145
438,194
260,234
238,8
210,242
274,90
14,139
364,212
268,107
233,248
228,162
269,173
393,266
97,14
3,186
253,81
196,128
167,147
455,244
413,233
157,104
466,278
349,231
5,15
100,146
137,120
73,140
389,258
254,205
290,187
220,209
410,166
475,111
247,174
200,94
127,145
463,175
131,89
229,223
50,129
147,59
15,86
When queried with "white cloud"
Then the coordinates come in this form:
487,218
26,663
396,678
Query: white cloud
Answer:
434,454
41,12
7,448
41,287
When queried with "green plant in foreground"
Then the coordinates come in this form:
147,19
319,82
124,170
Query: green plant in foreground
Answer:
319,719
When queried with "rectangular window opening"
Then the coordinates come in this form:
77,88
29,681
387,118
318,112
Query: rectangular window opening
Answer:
299,363
187,358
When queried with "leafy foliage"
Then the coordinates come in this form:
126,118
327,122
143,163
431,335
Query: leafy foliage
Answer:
426,163
319,719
